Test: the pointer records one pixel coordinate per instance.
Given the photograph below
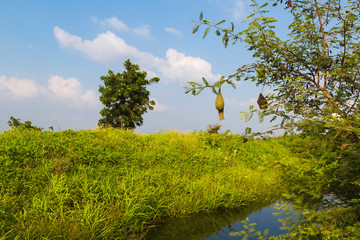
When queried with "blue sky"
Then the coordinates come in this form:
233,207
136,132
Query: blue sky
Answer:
53,53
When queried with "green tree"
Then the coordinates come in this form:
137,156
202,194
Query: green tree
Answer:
313,71
15,123
125,97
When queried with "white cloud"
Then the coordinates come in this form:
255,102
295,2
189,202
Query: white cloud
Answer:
90,98
19,88
177,66
173,31
119,25
70,91
113,22
160,107
233,8
64,88
116,23
107,47
143,31
58,89
239,10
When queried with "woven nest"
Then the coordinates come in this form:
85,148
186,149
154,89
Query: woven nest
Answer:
263,104
219,105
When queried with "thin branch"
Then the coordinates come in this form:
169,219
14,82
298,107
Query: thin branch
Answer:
323,39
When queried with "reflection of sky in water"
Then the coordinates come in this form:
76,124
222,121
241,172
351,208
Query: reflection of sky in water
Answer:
217,225
263,218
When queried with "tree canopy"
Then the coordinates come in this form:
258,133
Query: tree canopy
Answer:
313,71
125,97
16,123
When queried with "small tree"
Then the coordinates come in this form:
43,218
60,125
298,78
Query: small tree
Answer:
15,122
125,97
213,128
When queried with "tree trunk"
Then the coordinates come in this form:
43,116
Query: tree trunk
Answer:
122,123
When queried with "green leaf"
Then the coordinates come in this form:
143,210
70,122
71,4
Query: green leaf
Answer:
273,119
232,26
205,81
222,21
205,22
195,83
213,88
248,131
218,32
206,32
264,5
199,91
201,16
195,28
225,40
261,116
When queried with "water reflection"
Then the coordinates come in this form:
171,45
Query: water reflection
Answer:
218,225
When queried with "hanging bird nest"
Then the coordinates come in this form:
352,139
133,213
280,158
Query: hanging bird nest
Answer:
263,104
219,104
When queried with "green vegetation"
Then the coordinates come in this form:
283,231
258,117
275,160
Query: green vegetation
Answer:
15,123
125,97
312,69
112,184
108,183
323,185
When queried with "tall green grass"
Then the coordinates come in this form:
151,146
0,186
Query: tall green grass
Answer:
112,184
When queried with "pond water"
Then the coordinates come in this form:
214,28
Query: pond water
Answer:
219,224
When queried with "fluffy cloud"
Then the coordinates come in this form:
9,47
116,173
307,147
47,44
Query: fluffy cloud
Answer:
58,89
173,31
64,88
119,25
239,10
143,31
160,107
107,47
116,23
179,67
233,8
19,88
70,91
113,22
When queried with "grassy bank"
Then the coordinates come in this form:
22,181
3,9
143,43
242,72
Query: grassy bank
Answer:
107,184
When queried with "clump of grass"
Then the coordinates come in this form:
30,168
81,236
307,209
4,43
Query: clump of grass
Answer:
108,184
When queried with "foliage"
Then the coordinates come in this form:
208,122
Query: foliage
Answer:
213,128
334,223
313,71
15,122
326,183
125,97
107,183
112,184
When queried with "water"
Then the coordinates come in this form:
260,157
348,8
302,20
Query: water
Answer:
218,225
